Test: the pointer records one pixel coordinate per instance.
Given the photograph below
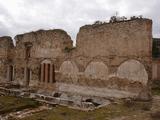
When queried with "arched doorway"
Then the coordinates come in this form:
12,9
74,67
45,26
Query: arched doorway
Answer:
47,72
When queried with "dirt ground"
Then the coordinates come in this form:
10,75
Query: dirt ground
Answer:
125,109
122,110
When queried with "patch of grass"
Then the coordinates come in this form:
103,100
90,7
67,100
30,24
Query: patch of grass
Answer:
11,104
106,113
137,105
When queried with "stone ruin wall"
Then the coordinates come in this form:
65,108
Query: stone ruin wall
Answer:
46,45
110,60
6,54
156,69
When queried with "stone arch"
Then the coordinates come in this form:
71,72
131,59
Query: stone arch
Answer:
46,61
133,70
97,70
69,72
68,67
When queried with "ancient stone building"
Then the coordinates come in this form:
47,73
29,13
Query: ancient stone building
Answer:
6,59
109,60
39,55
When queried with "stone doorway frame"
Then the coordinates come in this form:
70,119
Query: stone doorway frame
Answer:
47,72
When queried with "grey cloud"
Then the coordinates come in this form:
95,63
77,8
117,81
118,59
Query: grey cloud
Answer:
4,31
4,17
4,12
154,14
71,14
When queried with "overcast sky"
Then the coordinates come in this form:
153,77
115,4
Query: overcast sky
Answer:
19,16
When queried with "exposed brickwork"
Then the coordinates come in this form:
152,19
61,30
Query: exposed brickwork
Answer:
111,57
6,55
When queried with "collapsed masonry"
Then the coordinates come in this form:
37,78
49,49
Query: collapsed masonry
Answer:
111,60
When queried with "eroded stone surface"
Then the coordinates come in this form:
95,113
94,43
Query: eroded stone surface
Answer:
109,60
133,70
97,70
68,68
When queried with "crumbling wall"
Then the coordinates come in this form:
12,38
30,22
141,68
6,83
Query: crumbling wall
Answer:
121,51
6,52
44,44
110,60
130,38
